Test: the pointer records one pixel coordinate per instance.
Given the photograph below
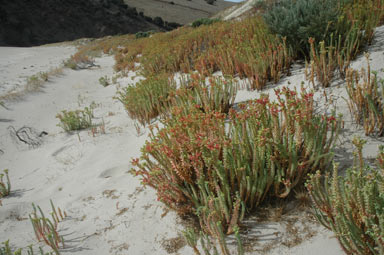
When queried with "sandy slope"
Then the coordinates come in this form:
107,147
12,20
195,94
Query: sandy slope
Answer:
236,11
17,64
109,212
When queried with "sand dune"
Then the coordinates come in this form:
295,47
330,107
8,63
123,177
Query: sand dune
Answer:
108,210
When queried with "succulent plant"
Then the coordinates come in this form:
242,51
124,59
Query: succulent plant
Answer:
352,206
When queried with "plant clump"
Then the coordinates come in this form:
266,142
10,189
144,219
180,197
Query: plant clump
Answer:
76,120
204,21
154,96
207,94
104,81
148,98
352,206
79,61
139,35
366,99
46,229
217,168
5,185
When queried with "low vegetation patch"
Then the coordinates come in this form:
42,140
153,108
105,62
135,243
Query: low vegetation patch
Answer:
245,48
5,249
96,47
204,21
207,94
148,98
79,61
104,81
155,95
139,35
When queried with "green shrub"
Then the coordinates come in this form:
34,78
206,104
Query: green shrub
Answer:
204,21
5,186
76,120
143,34
158,21
353,206
203,164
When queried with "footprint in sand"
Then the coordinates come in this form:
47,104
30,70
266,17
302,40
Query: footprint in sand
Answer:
67,155
113,172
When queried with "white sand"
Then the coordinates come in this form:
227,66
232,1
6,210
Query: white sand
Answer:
109,211
237,11
17,64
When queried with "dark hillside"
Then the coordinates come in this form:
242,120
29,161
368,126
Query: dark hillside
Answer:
180,11
36,22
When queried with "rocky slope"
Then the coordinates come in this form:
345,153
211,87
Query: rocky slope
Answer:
180,11
27,23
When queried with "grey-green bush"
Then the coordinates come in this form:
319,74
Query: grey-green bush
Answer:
297,20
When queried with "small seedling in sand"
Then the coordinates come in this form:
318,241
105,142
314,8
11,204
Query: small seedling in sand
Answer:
139,131
114,79
44,76
46,229
76,120
5,186
104,81
6,250
98,129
